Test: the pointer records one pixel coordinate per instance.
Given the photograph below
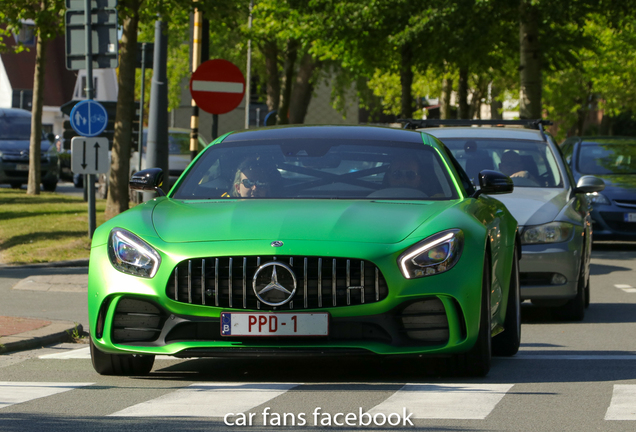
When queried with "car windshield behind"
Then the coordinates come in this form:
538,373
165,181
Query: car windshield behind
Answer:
15,128
178,143
315,168
607,158
528,163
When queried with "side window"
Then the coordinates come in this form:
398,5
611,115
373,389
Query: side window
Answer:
468,185
567,147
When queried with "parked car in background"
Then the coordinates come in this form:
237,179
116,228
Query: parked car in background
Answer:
550,207
15,137
313,240
614,160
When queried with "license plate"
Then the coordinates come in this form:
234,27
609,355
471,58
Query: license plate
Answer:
21,167
630,217
274,324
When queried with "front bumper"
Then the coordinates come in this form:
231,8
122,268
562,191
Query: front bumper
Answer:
18,171
608,223
539,265
183,329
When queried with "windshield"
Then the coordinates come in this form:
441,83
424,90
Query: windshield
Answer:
15,128
527,163
607,158
313,168
178,143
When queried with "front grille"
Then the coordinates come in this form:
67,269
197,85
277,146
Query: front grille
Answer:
320,282
136,321
616,222
626,203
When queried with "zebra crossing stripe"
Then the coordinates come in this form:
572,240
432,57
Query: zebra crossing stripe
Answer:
444,401
207,400
17,392
623,404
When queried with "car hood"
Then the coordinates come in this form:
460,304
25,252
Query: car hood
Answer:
535,206
20,145
332,220
619,186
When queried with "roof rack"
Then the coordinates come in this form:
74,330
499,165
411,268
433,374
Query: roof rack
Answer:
530,123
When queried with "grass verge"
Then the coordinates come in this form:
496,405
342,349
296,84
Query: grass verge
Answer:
44,228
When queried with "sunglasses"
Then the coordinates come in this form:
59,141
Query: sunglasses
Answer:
407,174
250,184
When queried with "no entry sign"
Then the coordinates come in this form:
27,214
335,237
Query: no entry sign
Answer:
217,86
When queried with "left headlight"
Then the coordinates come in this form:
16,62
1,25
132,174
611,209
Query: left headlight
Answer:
433,255
553,232
131,255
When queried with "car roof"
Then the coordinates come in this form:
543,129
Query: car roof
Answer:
371,133
14,112
607,139
484,132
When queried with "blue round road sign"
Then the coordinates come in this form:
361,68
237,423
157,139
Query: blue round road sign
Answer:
89,118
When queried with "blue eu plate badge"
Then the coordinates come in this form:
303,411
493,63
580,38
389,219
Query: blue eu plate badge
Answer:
226,324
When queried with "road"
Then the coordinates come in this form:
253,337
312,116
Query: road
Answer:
566,377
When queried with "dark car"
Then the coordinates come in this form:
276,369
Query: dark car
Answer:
15,137
614,160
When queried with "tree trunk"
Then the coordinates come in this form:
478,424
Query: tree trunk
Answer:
462,94
118,198
530,62
303,89
445,100
291,54
406,81
496,107
33,187
270,52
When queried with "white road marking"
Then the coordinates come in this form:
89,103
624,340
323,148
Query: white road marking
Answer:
85,353
544,356
623,404
626,288
444,401
217,86
207,400
18,392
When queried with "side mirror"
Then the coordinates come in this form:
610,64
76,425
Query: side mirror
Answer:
149,179
494,182
589,184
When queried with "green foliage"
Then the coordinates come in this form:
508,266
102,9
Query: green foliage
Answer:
48,16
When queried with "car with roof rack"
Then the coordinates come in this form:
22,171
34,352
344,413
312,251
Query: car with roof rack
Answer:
613,159
308,241
549,205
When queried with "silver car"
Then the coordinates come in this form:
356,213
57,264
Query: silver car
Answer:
552,211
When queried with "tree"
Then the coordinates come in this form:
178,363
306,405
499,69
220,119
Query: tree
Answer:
49,23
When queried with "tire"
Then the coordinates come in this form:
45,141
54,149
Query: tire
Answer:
587,293
15,185
507,342
574,310
476,362
78,180
120,364
49,186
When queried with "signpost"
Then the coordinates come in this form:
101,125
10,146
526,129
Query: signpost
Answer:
89,155
217,86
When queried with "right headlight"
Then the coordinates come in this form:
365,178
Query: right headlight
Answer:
597,198
131,255
433,255
553,232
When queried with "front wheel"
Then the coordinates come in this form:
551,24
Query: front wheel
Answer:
574,310
476,362
49,186
120,364
507,342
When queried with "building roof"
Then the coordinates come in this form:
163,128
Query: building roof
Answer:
58,81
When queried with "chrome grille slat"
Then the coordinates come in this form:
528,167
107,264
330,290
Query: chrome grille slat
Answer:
353,282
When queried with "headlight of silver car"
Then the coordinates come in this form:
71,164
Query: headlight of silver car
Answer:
433,255
597,198
131,255
553,232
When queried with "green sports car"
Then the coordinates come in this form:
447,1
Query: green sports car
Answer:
344,240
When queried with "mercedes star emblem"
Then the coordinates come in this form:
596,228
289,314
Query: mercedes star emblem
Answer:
277,243
274,293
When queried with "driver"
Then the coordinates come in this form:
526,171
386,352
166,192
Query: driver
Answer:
404,172
253,179
512,165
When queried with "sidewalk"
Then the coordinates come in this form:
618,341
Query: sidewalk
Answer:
18,333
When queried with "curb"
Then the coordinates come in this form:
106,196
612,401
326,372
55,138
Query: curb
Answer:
56,332
69,263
